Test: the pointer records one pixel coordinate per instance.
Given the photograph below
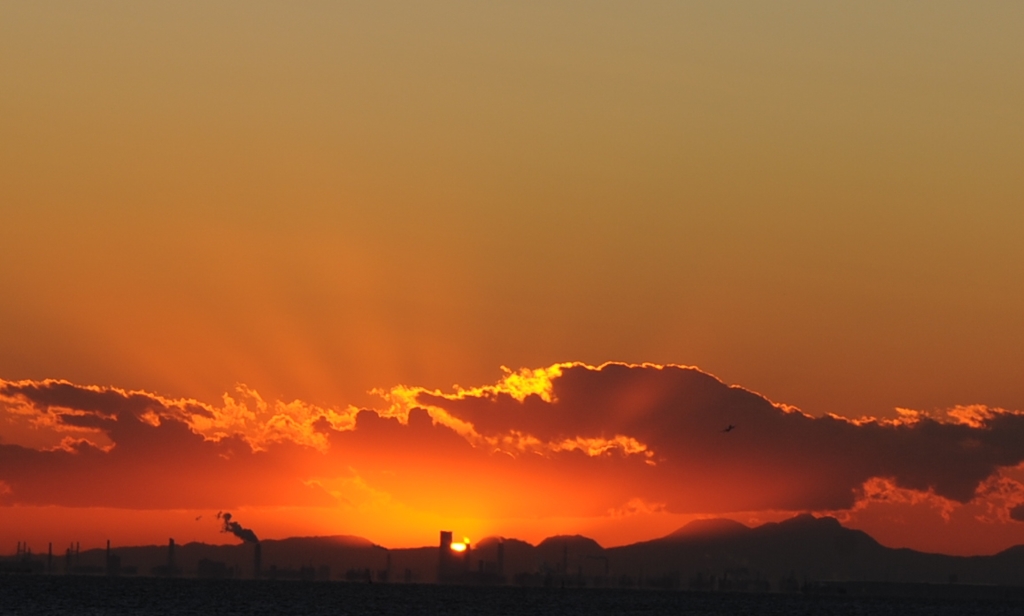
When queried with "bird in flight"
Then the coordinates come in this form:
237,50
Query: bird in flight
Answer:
730,428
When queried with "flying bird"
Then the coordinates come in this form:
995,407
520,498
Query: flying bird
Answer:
730,428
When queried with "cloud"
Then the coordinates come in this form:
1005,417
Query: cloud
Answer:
777,457
62,407
566,440
878,490
161,453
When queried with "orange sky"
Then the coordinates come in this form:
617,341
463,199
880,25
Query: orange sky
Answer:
821,204
621,452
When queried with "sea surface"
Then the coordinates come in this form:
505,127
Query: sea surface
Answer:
39,594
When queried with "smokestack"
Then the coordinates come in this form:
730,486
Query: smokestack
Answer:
170,557
113,562
49,558
501,558
257,561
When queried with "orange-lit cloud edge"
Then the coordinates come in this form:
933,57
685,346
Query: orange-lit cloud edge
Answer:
622,452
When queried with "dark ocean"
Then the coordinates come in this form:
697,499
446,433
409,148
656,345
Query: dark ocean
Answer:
39,594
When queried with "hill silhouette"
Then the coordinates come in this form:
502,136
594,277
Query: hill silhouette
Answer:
709,528
806,549
717,553
323,557
519,556
571,555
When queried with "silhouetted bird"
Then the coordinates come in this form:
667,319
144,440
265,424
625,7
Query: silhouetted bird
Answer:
197,517
730,428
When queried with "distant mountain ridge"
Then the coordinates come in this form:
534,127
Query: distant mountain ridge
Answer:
713,527
803,549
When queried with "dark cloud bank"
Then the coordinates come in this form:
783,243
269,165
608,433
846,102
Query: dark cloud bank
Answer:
775,458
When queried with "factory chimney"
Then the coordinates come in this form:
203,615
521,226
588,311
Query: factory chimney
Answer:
257,561
113,562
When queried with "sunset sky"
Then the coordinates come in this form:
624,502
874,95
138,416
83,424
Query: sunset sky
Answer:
383,268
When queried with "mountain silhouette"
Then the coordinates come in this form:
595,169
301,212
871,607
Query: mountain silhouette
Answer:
719,553
806,549
710,528
571,555
518,556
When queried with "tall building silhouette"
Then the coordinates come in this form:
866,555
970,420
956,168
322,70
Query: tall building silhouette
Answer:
445,557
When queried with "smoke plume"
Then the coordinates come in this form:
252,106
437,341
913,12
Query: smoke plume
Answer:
236,529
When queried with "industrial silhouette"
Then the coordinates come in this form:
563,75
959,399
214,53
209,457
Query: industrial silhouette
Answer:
804,554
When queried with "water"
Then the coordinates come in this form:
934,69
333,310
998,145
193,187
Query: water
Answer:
153,596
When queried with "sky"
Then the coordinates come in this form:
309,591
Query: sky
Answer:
360,268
